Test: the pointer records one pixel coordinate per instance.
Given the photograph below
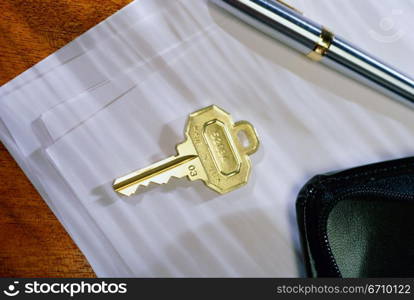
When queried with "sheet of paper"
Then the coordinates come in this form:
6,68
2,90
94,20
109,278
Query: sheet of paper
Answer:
183,229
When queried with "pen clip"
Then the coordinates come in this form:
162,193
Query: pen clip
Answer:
289,6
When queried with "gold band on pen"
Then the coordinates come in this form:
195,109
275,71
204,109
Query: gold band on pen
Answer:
325,40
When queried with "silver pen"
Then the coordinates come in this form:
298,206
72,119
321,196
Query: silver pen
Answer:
288,25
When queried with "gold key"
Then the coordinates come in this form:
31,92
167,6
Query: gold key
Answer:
211,152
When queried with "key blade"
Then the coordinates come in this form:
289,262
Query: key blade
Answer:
160,173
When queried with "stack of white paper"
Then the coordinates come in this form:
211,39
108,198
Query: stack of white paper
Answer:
117,99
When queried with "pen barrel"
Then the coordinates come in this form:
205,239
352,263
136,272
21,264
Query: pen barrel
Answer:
277,20
289,26
358,64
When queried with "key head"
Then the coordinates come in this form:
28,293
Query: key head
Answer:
224,158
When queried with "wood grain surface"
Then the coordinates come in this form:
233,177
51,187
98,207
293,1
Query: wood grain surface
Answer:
32,241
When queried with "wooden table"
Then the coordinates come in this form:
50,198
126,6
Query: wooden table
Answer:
32,241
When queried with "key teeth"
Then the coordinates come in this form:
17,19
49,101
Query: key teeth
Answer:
144,184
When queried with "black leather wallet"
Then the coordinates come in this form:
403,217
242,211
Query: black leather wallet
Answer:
359,222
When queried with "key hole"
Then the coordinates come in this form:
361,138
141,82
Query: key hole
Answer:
243,139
